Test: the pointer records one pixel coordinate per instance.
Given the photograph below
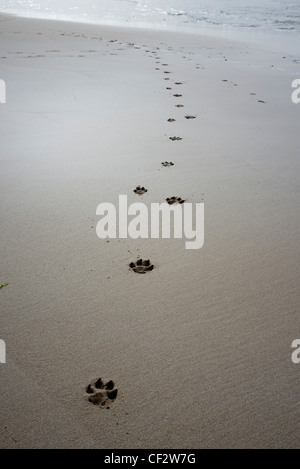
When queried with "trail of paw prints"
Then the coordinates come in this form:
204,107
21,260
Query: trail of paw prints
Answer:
141,266
101,393
174,200
251,94
140,190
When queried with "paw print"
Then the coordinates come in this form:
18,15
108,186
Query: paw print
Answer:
166,164
101,393
175,200
177,95
171,120
140,190
175,138
141,266
190,117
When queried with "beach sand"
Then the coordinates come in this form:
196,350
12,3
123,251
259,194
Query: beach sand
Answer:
199,348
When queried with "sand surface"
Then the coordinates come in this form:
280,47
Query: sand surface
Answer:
200,348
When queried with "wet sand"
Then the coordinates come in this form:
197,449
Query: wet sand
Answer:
199,348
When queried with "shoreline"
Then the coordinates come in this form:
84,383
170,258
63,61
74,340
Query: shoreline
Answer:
199,348
280,41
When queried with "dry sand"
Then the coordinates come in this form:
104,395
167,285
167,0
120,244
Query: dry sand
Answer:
199,348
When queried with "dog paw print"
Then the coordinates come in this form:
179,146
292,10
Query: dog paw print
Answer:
175,200
140,190
175,138
167,164
101,393
141,266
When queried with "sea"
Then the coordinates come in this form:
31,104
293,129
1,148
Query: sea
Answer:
272,23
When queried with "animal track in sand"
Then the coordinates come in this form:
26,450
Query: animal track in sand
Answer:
190,117
167,72
179,105
167,164
140,190
175,138
175,200
171,120
166,78
178,83
168,88
141,266
100,393
177,95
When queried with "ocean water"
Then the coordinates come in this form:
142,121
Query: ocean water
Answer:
278,21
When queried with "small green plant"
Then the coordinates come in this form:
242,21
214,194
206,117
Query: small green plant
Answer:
4,285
